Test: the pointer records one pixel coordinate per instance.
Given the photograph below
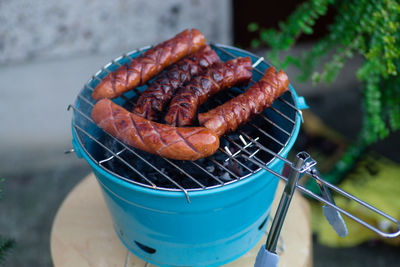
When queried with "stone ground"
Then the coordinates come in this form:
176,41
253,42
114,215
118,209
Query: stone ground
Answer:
38,178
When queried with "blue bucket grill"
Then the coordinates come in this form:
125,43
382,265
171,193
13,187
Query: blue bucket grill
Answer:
202,213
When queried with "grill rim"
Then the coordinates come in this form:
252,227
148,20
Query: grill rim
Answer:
123,181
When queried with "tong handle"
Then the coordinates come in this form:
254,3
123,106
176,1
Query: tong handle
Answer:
266,258
284,203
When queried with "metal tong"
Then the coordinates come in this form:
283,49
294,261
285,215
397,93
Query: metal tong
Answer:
305,164
267,254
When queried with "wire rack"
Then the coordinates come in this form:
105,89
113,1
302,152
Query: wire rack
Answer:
273,128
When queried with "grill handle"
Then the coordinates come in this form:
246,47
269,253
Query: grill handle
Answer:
301,103
75,145
76,149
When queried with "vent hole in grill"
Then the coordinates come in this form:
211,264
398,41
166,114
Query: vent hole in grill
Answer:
145,248
262,224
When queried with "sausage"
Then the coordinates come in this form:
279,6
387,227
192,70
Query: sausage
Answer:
184,104
240,109
153,61
154,99
188,143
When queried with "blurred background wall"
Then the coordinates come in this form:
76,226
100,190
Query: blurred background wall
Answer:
34,30
49,49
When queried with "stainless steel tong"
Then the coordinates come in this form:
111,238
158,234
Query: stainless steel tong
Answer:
304,164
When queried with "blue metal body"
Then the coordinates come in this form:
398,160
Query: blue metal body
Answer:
216,227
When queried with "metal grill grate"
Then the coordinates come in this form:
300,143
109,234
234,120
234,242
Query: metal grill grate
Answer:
272,129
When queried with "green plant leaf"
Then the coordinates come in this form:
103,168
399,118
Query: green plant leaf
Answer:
369,28
6,245
253,27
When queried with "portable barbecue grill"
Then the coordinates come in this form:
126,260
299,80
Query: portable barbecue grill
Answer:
210,211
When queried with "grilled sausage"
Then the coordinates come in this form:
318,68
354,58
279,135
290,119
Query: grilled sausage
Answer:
146,66
184,104
188,143
240,109
153,100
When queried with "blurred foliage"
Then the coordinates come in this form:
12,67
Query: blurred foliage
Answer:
366,27
6,244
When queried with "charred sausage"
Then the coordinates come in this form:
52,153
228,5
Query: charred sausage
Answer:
154,99
153,61
184,104
239,110
188,143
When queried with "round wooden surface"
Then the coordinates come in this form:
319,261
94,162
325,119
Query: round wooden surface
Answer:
83,235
